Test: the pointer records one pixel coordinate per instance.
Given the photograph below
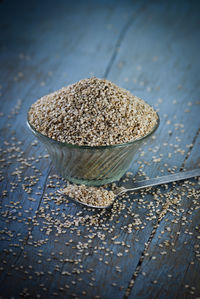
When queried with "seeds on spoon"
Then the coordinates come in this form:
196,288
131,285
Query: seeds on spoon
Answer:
95,196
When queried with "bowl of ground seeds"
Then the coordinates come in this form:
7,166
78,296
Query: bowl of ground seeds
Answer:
92,129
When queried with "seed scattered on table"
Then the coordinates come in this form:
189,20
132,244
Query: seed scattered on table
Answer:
84,232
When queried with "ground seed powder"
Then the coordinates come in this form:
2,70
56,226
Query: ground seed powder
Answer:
92,112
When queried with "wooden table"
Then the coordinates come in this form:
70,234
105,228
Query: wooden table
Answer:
148,246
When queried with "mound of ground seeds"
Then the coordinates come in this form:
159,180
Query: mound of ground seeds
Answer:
98,197
92,112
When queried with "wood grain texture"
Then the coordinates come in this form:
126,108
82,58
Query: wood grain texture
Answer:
150,48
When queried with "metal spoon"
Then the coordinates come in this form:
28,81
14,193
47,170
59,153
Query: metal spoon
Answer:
144,184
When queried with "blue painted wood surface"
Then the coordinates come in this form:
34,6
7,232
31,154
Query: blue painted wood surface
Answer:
150,48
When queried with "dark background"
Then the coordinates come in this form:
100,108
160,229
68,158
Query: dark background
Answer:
148,47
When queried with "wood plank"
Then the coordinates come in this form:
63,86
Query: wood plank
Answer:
92,270
170,265
192,159
37,72
178,264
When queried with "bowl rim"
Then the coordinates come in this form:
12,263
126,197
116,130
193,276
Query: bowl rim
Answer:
65,144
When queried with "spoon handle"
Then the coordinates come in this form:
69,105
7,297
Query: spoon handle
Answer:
163,180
